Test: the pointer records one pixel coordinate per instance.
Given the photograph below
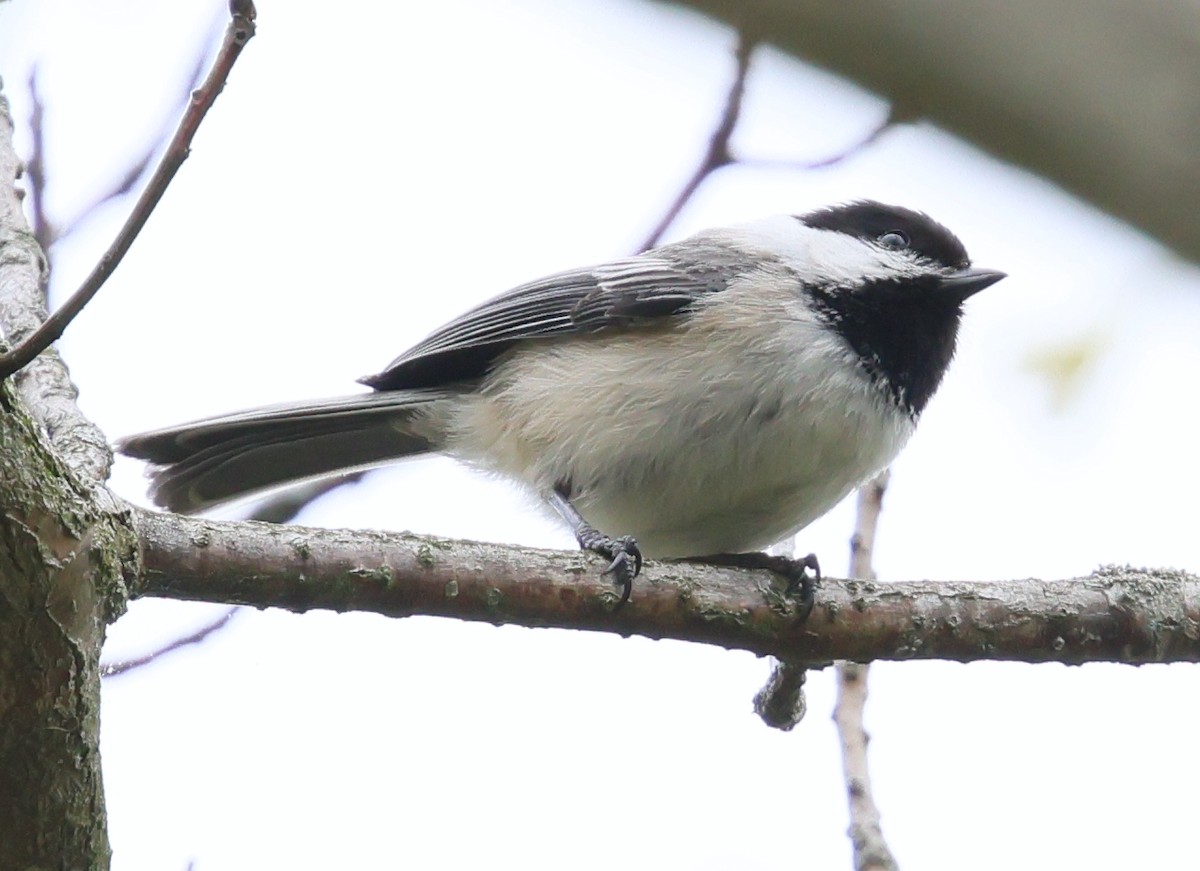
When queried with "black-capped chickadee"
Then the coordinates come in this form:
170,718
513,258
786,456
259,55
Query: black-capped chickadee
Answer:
707,397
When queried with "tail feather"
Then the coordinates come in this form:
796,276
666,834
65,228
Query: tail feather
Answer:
201,464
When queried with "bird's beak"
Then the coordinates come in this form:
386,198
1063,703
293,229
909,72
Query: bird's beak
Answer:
968,282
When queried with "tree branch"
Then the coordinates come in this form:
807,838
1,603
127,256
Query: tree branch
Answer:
1114,615
63,559
199,636
717,154
871,852
35,167
280,508
237,34
831,160
45,386
138,163
1090,96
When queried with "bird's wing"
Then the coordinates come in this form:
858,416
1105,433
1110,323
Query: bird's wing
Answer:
620,294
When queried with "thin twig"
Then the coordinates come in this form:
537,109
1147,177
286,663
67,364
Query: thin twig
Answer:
284,506
717,154
137,166
113,669
237,34
871,851
862,543
825,162
281,509
35,167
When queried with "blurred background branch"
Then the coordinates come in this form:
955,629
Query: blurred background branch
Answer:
1100,98
871,852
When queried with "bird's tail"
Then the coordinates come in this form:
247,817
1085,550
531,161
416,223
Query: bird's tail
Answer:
200,464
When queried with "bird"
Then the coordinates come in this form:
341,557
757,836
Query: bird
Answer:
701,400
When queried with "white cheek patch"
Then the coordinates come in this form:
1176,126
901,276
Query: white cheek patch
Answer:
826,256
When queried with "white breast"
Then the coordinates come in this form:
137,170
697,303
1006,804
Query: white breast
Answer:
722,435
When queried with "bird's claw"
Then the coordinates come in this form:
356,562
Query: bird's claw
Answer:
794,571
626,564
800,582
625,560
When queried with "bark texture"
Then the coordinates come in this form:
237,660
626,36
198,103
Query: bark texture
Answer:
1115,615
64,549
61,583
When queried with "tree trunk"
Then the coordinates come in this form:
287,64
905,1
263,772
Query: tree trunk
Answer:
63,547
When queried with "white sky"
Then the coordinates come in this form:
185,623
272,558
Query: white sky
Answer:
368,174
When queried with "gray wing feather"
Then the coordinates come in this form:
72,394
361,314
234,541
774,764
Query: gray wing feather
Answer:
615,295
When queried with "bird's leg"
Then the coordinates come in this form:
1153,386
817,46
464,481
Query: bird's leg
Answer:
795,571
624,555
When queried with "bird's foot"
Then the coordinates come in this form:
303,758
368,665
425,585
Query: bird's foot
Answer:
794,571
623,553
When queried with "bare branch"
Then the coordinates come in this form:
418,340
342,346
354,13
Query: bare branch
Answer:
862,543
717,154
113,669
1036,84
285,505
237,34
871,851
825,162
35,167
45,385
137,165
279,509
1114,615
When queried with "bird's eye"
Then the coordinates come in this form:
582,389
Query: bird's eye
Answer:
894,239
